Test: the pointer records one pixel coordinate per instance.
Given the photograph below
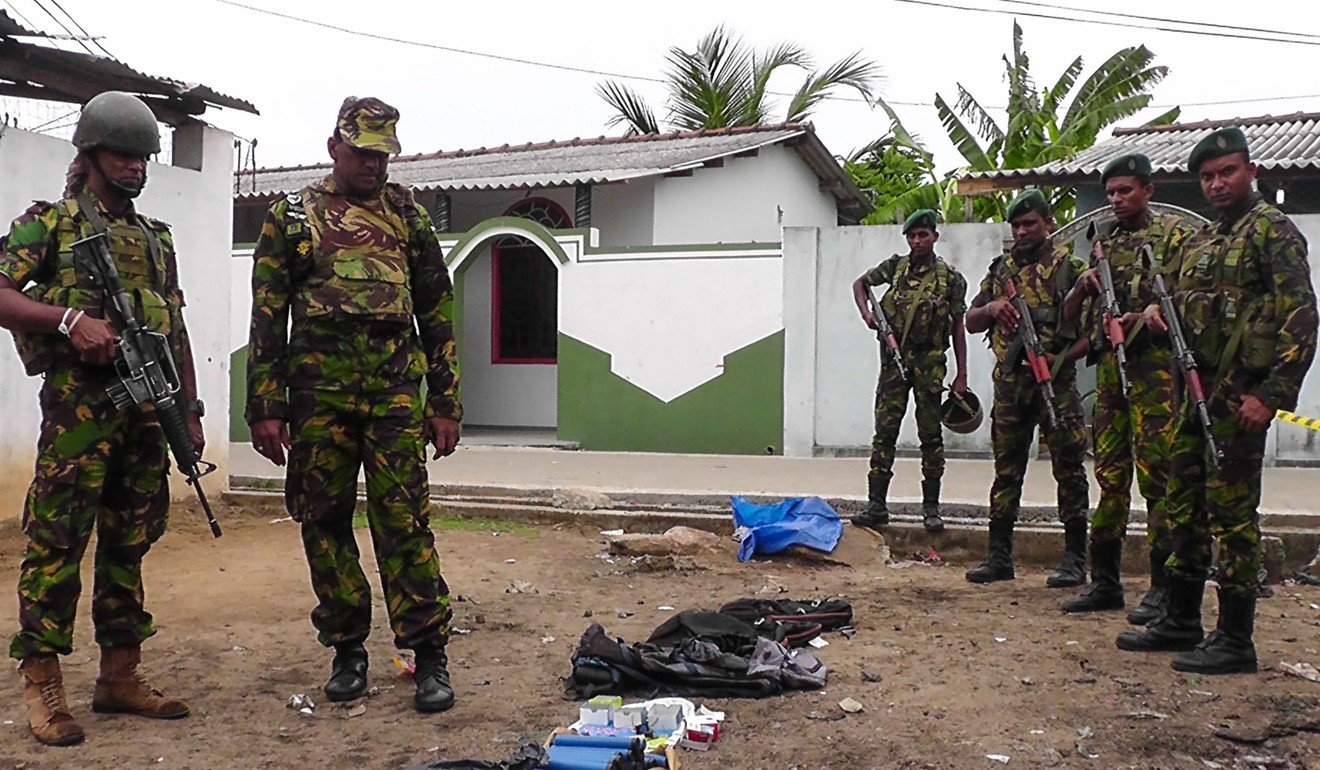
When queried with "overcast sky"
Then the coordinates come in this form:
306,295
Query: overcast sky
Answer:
297,74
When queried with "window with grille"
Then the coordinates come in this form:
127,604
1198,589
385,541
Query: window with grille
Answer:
525,291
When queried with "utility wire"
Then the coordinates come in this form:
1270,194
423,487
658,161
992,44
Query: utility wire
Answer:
1140,17
72,36
89,35
1202,32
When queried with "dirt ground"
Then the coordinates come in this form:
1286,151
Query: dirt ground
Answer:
963,671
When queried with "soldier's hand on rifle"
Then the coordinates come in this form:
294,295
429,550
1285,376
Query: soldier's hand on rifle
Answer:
1005,314
1129,320
94,339
1155,319
1253,415
271,439
1090,282
869,319
195,431
441,434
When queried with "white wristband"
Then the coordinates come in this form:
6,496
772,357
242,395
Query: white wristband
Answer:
64,322
76,319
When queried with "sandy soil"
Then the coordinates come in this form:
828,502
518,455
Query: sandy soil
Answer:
963,671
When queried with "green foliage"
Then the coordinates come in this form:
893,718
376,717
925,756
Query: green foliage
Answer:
724,83
1038,131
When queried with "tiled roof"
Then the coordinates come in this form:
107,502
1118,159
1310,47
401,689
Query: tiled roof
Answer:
582,161
1282,144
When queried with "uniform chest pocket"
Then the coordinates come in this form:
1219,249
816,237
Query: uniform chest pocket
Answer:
374,268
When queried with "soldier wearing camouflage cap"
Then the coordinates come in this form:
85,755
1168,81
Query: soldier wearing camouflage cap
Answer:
98,468
1248,310
353,262
1131,429
1042,273
925,307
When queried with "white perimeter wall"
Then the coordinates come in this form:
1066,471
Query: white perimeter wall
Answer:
199,207
832,359
521,395
742,201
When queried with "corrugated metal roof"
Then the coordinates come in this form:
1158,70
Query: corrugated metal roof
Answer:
42,72
1278,144
581,161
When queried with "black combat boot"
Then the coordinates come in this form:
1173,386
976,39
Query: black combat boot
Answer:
432,679
1156,599
1228,649
348,673
930,505
998,562
876,514
1105,591
1177,629
1072,570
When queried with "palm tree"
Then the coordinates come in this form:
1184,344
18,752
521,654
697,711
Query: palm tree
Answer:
1035,133
724,83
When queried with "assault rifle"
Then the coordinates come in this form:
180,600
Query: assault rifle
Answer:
1181,353
146,370
1030,342
1113,314
885,333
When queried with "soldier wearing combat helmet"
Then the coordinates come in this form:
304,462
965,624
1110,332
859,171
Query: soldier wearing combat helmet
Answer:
1248,310
353,263
925,307
98,468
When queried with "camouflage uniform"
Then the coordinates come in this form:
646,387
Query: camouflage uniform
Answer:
1018,405
354,274
921,306
97,467
1249,312
1134,429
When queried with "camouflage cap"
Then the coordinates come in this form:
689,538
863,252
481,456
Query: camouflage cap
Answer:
921,218
369,123
1217,144
1027,201
1132,164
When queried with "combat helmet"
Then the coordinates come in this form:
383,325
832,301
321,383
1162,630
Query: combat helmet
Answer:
117,121
961,412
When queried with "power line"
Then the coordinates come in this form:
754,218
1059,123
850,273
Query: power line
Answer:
89,35
1202,33
1140,17
72,36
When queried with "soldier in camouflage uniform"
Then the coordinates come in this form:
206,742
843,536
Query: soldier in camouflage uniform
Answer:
1132,428
1249,313
354,262
925,308
97,468
1042,273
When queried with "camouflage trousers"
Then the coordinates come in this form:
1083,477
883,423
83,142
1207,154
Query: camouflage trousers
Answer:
97,469
335,433
1221,503
1019,409
1133,431
891,397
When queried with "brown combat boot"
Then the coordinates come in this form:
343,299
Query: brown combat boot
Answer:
121,690
47,709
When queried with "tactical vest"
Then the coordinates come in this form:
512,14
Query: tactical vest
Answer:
1046,307
1227,303
363,269
135,244
920,315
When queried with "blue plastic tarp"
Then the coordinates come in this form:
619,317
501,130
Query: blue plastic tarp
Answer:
808,521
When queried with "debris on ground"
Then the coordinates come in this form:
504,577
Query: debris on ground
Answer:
581,500
1304,670
851,706
302,703
682,541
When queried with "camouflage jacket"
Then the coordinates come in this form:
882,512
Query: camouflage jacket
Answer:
353,275
38,258
1246,301
1133,285
923,302
1043,280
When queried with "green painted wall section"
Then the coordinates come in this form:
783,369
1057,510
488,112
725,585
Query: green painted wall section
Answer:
238,427
739,412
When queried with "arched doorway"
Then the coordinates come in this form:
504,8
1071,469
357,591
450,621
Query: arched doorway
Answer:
509,329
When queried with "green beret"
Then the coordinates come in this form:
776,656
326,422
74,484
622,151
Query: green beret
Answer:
1132,164
921,218
1027,201
1217,144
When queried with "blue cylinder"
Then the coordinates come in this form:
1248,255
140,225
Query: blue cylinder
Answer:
621,742
580,758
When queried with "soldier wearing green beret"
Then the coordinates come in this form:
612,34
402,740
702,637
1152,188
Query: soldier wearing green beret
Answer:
925,307
1042,273
1131,429
1248,311
353,262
